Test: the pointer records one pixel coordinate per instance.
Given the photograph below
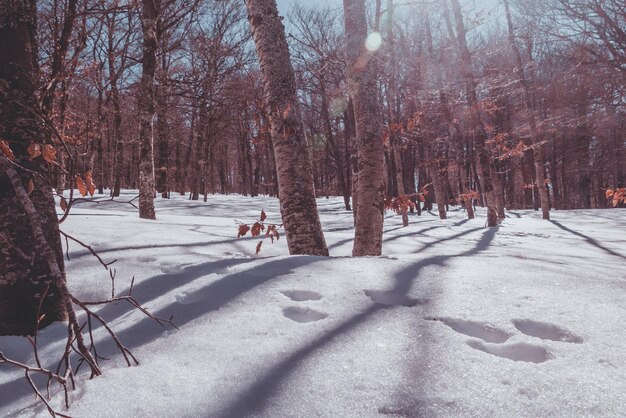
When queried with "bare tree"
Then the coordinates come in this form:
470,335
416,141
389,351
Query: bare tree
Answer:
484,163
534,132
293,161
361,75
150,14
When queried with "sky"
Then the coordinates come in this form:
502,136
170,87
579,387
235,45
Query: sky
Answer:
284,5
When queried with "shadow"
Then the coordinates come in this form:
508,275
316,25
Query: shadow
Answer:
408,234
589,240
348,240
459,223
204,300
149,289
252,400
460,234
84,253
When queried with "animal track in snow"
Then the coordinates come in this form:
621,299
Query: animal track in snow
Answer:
302,315
546,331
382,297
517,351
482,330
301,295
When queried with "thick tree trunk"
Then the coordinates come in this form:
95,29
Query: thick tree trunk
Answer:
30,245
361,75
146,108
293,161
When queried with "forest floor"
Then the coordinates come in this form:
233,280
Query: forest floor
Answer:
526,319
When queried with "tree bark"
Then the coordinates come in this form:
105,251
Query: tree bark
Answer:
163,143
30,244
293,161
361,75
150,15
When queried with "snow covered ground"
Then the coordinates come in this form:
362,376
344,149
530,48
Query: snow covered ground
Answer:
527,319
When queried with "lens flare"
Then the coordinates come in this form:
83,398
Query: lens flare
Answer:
373,41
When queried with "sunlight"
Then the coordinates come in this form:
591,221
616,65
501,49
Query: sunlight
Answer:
374,41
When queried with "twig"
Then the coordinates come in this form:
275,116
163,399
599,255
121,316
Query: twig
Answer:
91,250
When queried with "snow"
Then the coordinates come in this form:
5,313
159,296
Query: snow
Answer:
455,319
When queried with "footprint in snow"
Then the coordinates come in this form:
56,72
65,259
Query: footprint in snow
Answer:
301,295
516,351
303,315
546,331
482,330
382,297
147,259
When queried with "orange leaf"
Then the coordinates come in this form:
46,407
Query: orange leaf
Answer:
287,111
49,153
31,186
256,229
258,248
6,150
243,230
63,203
34,150
609,193
91,187
80,184
263,216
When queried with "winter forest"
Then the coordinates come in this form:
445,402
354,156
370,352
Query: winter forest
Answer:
294,208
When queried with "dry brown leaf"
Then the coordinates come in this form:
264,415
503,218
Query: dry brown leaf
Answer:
80,185
63,203
243,230
91,186
256,229
6,150
287,111
30,186
49,153
34,150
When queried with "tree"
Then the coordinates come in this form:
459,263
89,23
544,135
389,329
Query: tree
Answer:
534,132
293,161
484,164
361,75
30,243
150,15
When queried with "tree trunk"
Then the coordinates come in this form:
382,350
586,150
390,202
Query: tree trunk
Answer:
534,132
361,75
162,165
146,109
484,167
293,161
30,245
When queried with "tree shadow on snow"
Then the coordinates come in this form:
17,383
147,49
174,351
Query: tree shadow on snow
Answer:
589,240
253,399
204,300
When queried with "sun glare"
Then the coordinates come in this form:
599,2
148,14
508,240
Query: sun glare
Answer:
373,41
